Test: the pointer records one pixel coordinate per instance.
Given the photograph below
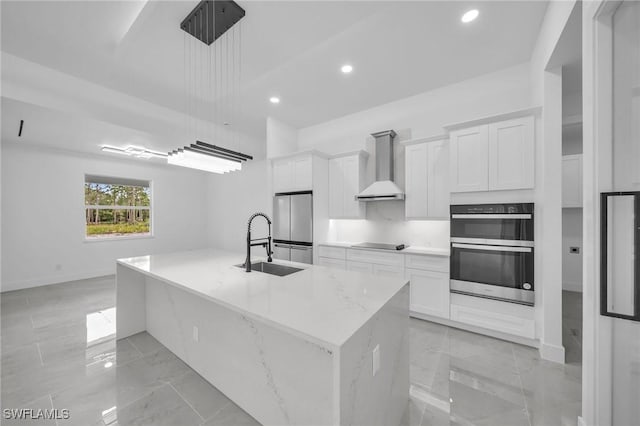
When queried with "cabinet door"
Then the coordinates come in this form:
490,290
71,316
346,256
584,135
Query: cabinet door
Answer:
302,173
388,271
416,181
429,292
359,266
282,176
511,154
469,159
351,187
336,188
438,195
572,181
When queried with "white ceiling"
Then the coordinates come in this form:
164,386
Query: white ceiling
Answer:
290,49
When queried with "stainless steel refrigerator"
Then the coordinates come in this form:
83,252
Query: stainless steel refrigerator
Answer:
293,226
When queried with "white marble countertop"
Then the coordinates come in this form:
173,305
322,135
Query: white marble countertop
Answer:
430,251
322,304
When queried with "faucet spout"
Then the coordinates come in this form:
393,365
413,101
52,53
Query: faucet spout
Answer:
250,242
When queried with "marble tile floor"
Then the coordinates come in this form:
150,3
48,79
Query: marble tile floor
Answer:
572,326
58,351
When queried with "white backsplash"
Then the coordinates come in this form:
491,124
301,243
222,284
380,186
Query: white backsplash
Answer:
385,223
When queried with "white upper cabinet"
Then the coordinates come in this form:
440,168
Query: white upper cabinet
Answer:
494,156
511,154
416,181
572,180
469,159
302,172
293,174
346,180
336,187
438,183
427,180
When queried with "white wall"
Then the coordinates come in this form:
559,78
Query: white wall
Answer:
232,199
281,138
43,216
571,237
546,85
424,114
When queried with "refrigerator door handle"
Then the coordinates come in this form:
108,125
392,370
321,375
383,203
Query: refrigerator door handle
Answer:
282,245
301,247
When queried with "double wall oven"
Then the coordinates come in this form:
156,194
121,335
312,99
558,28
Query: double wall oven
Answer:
492,251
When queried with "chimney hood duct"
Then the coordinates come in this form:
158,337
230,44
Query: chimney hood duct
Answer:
383,188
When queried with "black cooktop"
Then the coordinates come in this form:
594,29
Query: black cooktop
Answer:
380,246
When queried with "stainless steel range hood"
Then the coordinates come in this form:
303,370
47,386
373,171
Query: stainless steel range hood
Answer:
384,188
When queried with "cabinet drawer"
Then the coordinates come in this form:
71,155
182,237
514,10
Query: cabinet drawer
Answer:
332,263
332,252
376,257
388,271
360,267
494,320
427,263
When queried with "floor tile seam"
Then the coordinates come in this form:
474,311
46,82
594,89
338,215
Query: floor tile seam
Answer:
51,401
214,415
524,399
40,354
98,374
29,402
134,346
148,392
185,400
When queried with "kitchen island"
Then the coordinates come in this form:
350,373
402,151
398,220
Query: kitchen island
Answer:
320,346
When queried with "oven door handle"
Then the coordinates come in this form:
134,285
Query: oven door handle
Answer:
491,216
492,248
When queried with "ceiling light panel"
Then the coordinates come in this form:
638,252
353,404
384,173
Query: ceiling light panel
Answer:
470,16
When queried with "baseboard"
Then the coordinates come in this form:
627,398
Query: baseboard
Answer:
552,352
581,421
572,286
41,281
479,330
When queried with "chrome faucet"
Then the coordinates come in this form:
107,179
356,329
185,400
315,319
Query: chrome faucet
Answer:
264,242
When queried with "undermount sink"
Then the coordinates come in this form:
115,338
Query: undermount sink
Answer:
272,268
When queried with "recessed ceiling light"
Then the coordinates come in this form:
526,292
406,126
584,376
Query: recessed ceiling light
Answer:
470,16
274,100
346,69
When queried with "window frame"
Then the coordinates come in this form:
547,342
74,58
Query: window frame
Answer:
125,237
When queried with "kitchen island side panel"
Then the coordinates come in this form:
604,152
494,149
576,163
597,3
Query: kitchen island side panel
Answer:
130,302
381,400
274,376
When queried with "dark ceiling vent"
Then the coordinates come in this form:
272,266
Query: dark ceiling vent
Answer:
212,18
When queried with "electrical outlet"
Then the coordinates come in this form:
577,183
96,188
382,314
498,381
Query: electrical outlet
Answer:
196,336
574,250
376,360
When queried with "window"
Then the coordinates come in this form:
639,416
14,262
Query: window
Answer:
116,207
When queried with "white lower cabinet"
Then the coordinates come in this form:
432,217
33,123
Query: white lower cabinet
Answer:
359,266
510,318
429,292
332,263
388,271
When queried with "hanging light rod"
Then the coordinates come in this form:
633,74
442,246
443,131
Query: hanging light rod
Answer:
212,18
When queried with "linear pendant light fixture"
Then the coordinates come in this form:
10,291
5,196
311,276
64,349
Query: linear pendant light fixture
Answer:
212,80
